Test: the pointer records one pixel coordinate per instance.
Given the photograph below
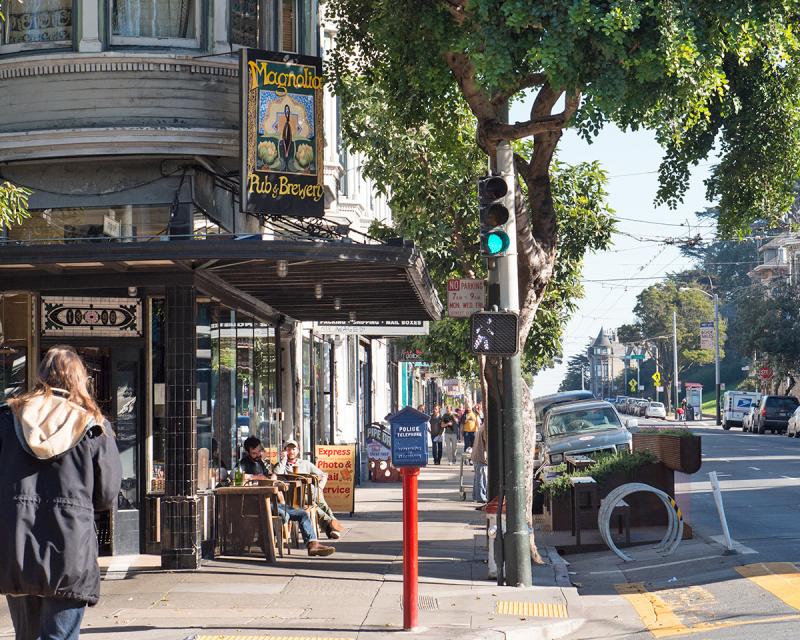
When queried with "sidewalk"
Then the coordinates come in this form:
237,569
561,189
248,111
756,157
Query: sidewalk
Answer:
355,594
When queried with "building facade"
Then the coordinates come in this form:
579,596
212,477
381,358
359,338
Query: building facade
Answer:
195,320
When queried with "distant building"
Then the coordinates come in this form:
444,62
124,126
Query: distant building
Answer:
606,359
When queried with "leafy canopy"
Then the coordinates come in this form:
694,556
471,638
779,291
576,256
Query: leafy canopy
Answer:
694,72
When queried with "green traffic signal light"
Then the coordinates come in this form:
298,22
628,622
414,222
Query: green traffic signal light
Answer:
496,242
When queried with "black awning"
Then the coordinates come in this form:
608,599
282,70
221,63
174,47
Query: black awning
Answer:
377,282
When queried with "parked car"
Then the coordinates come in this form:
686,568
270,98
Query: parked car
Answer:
583,428
543,404
793,428
640,407
630,405
747,420
774,413
735,405
655,410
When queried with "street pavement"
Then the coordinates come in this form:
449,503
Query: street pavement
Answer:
699,591
354,594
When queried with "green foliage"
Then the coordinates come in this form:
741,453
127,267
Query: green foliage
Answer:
683,433
693,72
577,375
768,323
604,468
13,203
430,177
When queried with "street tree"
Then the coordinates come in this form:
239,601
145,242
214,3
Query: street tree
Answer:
692,72
767,324
430,178
577,375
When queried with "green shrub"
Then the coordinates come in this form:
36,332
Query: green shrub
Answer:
603,468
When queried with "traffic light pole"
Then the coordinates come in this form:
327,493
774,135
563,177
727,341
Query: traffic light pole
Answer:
516,542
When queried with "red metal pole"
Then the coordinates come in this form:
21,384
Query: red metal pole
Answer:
410,549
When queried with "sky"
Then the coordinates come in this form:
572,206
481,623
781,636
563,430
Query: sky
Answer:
613,278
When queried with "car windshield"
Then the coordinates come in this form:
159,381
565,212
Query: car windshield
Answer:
656,405
582,420
785,404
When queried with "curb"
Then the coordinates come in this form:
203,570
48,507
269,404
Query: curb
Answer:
549,631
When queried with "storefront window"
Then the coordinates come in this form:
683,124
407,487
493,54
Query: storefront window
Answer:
307,382
15,325
155,22
265,389
225,455
245,421
322,388
36,24
203,395
121,224
157,444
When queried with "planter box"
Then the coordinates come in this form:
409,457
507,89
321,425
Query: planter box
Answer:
647,510
679,453
558,512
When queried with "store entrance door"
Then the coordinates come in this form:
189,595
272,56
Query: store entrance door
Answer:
116,378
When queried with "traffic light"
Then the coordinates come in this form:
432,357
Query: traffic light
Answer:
494,333
496,199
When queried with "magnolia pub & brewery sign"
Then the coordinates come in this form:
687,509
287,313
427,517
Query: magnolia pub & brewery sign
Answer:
282,145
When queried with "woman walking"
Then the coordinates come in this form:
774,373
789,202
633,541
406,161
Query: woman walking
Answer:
58,465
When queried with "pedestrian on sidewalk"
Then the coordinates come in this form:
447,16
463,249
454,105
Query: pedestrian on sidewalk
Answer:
448,424
436,434
480,462
469,427
59,464
290,462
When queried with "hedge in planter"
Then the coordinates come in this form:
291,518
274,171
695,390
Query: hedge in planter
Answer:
678,449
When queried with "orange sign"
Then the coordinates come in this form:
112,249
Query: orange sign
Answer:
339,462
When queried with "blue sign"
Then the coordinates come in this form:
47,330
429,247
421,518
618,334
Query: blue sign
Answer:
409,438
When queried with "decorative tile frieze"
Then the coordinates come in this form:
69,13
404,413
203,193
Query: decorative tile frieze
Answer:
99,317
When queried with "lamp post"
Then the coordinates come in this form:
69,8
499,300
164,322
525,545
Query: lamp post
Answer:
717,384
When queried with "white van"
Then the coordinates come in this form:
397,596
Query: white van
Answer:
735,404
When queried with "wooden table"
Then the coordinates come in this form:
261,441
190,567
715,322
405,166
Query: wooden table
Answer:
265,494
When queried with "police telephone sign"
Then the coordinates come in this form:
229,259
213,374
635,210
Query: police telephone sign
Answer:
409,438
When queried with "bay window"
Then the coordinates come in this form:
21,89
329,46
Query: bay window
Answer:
275,25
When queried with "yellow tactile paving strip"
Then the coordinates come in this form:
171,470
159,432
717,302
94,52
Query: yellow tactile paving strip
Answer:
674,612
531,609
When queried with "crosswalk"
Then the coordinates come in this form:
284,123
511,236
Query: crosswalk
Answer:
702,609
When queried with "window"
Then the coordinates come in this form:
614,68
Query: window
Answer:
36,24
15,336
165,23
275,25
126,223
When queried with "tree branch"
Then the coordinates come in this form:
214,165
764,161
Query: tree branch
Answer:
464,73
497,131
525,82
456,9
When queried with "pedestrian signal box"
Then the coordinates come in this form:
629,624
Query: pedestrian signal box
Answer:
494,333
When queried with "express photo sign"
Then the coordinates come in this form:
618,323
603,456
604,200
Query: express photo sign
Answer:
282,134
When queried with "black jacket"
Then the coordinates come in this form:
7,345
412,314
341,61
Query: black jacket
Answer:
254,467
48,544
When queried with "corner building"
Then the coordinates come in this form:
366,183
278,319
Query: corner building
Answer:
195,320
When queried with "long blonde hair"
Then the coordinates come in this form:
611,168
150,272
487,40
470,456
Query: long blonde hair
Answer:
62,368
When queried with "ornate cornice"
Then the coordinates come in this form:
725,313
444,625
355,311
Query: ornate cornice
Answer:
60,64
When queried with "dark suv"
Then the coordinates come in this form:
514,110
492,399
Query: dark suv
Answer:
773,413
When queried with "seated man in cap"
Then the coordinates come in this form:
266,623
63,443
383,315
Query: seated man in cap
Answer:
291,462
253,464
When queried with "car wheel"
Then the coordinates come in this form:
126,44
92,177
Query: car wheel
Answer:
726,426
760,428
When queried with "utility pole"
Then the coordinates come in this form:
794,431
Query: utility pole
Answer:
716,355
516,541
675,358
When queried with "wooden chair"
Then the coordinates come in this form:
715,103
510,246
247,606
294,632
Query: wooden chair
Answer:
281,528
301,496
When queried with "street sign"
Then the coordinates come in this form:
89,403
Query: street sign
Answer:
373,327
657,378
635,356
706,335
632,386
765,373
494,333
465,296
660,389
